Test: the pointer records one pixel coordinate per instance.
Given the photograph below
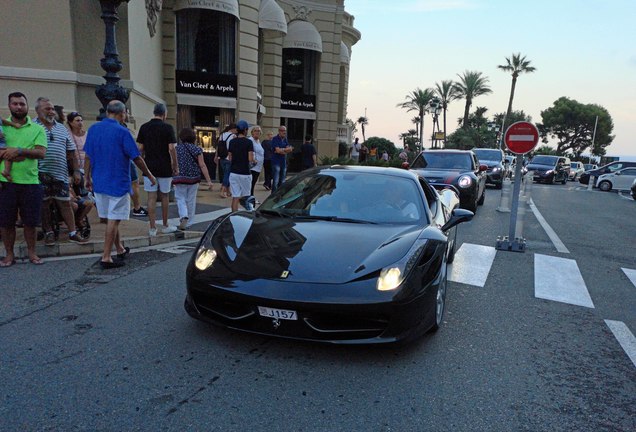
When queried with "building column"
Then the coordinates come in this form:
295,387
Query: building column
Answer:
247,73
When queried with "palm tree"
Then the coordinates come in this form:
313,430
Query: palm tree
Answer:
471,84
418,100
416,121
516,64
363,121
447,92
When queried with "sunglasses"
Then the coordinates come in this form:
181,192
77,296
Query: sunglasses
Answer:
51,137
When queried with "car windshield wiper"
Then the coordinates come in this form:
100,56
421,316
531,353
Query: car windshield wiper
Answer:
334,219
274,212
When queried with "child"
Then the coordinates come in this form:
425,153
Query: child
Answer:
6,171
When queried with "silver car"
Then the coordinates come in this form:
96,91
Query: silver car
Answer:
617,180
576,169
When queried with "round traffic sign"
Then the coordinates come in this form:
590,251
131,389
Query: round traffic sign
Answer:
521,137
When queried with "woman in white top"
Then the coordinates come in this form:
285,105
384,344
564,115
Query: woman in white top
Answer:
259,155
76,125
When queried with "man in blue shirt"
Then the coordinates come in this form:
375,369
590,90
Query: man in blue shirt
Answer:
280,149
109,149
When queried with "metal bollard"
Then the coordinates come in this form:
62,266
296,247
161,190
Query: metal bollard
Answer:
504,203
521,212
591,182
528,181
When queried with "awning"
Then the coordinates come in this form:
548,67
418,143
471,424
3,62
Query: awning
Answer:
345,58
227,6
302,34
271,19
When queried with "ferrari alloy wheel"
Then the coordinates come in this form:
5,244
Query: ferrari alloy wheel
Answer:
605,186
440,303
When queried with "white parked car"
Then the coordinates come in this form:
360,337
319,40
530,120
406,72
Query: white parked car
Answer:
617,180
576,169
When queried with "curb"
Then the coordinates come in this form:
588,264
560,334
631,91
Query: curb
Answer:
68,248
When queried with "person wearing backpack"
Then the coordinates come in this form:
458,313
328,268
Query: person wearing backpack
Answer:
221,158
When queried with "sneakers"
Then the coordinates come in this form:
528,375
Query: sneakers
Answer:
140,212
75,238
183,223
152,232
168,229
49,238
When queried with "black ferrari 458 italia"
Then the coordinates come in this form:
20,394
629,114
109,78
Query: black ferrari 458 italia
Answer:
341,254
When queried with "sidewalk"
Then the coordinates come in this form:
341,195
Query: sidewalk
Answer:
134,232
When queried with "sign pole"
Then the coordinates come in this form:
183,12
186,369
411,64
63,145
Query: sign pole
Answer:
520,138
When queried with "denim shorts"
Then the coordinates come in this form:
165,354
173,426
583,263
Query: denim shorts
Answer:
26,198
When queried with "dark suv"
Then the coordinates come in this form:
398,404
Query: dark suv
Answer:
609,168
550,169
457,168
498,165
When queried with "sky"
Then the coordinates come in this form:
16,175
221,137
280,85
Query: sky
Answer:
582,49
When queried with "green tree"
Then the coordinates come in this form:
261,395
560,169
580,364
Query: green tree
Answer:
464,139
447,92
382,144
418,100
543,150
471,85
363,122
572,124
516,64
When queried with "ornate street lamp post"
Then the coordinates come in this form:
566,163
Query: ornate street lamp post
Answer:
494,127
111,90
435,108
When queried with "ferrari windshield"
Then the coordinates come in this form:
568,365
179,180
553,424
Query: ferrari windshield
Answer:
443,160
347,196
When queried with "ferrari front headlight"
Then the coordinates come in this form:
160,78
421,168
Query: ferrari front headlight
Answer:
205,258
391,277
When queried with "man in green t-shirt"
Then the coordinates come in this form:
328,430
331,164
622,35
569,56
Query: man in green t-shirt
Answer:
25,145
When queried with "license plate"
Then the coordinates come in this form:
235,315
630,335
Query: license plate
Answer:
277,313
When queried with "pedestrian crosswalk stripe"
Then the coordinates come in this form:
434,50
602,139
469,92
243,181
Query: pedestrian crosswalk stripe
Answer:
625,338
631,274
559,279
472,264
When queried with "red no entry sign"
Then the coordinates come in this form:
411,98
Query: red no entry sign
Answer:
521,137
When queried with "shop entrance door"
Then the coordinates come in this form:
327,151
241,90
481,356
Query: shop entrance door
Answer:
296,131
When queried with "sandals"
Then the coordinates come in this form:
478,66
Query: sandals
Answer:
36,261
4,264
124,254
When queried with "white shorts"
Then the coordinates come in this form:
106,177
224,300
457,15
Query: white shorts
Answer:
240,185
163,184
112,208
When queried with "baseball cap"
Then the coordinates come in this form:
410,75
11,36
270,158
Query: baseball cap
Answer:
242,125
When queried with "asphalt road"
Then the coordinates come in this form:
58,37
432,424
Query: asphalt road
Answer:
81,350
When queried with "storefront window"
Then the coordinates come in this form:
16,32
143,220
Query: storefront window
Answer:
206,41
299,72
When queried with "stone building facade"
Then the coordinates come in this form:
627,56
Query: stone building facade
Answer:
212,62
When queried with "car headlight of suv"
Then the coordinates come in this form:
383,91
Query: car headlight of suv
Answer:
496,169
465,181
392,276
548,172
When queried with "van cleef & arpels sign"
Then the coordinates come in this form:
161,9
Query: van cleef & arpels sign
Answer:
203,83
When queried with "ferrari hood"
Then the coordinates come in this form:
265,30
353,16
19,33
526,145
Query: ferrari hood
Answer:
254,245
